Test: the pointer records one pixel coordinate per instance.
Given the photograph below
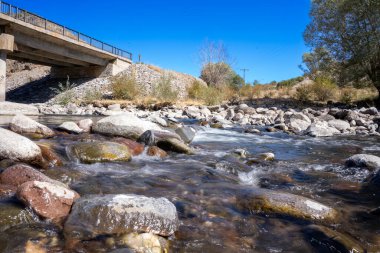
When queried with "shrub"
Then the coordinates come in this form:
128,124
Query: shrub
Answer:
163,90
323,88
346,97
92,95
125,87
64,92
303,93
213,96
196,90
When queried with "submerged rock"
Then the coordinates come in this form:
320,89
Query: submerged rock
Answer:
323,237
144,243
19,148
48,200
70,127
13,214
175,145
125,125
93,152
51,158
120,214
363,160
156,151
268,201
7,191
25,125
135,147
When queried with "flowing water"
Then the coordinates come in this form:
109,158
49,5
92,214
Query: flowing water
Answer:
204,187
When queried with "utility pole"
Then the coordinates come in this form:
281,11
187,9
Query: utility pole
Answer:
244,70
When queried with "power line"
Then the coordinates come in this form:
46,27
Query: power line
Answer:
244,70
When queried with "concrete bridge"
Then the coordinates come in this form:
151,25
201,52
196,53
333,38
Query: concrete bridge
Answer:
29,37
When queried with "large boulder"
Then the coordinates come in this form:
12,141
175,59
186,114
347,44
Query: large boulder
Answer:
93,152
125,125
363,160
9,108
321,129
297,121
25,125
119,214
19,148
48,200
268,201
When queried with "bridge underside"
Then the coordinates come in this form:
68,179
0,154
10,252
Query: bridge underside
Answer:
68,57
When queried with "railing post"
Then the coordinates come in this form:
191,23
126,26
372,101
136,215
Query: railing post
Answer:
45,24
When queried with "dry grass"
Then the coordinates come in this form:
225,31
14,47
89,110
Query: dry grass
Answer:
155,68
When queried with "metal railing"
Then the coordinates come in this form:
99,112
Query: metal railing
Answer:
48,25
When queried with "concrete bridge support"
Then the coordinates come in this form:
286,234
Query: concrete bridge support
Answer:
6,46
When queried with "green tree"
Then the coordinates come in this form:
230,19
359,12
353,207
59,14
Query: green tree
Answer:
350,31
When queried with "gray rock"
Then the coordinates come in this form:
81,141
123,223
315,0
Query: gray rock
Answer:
114,107
25,125
120,214
187,134
371,111
341,125
16,147
158,120
9,108
321,129
192,112
230,114
152,137
85,124
175,145
70,127
364,160
125,125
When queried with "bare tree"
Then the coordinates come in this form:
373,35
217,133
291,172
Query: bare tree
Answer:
214,59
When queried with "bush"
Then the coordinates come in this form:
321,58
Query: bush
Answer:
346,97
64,92
196,90
246,91
92,95
303,93
323,88
163,90
125,87
213,96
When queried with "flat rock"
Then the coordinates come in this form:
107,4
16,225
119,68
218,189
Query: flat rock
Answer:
341,125
70,127
269,201
363,160
152,137
9,108
93,152
19,148
25,125
174,145
48,200
125,125
120,214
321,129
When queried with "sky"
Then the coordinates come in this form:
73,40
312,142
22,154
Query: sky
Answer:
264,36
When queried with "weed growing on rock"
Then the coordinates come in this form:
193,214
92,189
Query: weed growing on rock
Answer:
65,93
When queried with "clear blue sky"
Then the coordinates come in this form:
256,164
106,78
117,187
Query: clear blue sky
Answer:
264,36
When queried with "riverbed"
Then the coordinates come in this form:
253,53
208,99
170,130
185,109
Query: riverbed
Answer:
205,188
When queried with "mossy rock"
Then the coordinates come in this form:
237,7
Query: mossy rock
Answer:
95,152
13,214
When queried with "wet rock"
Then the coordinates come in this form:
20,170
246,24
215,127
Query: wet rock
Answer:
70,127
51,158
94,152
25,125
271,129
232,167
268,201
135,147
13,214
120,214
85,124
152,137
125,125
252,131
16,147
363,160
325,239
19,174
298,122
321,129
158,120
267,156
48,200
174,145
341,125
7,191
156,151
144,243
187,134
240,152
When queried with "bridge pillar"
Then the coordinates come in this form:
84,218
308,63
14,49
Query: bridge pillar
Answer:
6,46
